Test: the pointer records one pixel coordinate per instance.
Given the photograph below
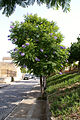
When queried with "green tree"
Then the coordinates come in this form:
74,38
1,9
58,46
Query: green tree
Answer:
23,70
75,52
9,6
38,45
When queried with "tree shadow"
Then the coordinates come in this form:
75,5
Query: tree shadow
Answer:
31,108
12,96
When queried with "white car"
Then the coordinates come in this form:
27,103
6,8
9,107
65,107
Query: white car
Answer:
27,76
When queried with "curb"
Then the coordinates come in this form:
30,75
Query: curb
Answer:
3,86
49,112
11,112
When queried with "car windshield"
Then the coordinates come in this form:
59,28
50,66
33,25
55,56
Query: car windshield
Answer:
26,74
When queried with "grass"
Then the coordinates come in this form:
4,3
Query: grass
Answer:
64,96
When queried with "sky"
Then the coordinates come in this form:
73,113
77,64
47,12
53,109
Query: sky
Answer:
68,23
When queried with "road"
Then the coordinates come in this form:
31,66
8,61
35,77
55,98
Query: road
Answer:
11,95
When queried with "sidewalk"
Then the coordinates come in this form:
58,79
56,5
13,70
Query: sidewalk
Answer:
30,108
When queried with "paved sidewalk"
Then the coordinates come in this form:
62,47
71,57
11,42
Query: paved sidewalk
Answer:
30,108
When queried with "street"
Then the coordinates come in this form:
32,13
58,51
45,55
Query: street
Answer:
14,93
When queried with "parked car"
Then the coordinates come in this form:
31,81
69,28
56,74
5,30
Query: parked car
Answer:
29,76
34,77
26,76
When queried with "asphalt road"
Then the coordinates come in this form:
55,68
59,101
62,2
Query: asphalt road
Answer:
11,95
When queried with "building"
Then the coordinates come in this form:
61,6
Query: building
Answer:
8,70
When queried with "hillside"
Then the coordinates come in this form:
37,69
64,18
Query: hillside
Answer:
64,96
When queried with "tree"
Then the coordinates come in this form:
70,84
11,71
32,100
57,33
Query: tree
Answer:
38,45
9,6
75,52
23,70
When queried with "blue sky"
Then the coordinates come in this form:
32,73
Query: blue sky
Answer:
69,23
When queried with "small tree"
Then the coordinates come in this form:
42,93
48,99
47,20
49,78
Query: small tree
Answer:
75,52
38,46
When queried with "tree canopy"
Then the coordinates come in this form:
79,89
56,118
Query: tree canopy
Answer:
9,6
75,51
38,45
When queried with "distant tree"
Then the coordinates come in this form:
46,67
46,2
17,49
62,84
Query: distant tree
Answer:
38,45
9,6
75,52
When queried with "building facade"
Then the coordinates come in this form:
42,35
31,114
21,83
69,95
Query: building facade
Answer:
9,69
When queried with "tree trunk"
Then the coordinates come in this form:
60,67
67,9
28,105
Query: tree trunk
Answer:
70,68
44,82
43,86
79,66
41,83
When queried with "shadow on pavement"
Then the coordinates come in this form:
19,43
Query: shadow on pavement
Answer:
31,108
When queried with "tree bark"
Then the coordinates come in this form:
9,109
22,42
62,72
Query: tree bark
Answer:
44,82
79,66
41,83
70,68
43,86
